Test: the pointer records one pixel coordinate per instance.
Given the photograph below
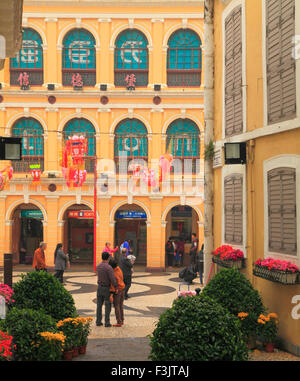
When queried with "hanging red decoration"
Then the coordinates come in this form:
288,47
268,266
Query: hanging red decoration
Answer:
5,176
72,161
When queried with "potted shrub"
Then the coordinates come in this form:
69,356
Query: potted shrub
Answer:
235,292
248,326
276,270
85,331
197,328
72,329
25,325
267,328
51,346
40,290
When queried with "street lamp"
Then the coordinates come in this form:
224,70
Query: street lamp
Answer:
235,153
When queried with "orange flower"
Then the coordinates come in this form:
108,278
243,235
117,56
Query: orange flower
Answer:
261,321
273,315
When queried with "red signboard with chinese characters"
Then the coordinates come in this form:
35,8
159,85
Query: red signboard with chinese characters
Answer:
81,214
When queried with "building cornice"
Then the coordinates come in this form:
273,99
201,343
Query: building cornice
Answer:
137,94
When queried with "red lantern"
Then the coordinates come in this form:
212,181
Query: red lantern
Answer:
36,174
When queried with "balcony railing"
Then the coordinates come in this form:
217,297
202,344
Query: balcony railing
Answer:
36,76
23,166
88,76
141,76
183,78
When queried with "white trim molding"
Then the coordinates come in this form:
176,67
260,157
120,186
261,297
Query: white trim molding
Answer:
290,161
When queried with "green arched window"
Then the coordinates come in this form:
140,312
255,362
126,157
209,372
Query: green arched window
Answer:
29,59
184,59
131,58
79,56
82,126
32,133
131,140
183,141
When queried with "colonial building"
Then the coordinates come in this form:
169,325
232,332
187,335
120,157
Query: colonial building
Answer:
129,77
257,102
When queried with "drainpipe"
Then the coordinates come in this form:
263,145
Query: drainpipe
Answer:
208,135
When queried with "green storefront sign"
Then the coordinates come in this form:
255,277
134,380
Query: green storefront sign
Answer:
32,214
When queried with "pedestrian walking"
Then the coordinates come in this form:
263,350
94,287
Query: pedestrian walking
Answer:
179,252
126,267
170,251
106,278
118,298
39,262
194,249
109,250
200,263
125,245
60,261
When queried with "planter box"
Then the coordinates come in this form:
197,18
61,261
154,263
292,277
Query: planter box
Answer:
238,264
276,275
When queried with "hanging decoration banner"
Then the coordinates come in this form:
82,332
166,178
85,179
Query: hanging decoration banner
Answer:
72,161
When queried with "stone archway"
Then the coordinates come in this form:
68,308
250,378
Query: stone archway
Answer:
131,225
27,221
180,221
78,233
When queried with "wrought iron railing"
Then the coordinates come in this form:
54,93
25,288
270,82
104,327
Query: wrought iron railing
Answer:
23,166
141,77
36,76
88,76
183,78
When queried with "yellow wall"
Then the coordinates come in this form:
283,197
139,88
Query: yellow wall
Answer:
176,103
276,297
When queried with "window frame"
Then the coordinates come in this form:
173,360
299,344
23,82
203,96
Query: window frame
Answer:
183,72
289,161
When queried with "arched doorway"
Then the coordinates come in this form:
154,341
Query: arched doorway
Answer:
182,221
130,225
27,232
78,235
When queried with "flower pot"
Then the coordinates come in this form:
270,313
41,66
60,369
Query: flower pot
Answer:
68,355
82,349
75,352
269,347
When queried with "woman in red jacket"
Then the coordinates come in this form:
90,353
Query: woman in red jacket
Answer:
118,299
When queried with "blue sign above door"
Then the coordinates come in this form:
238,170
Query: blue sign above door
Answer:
131,214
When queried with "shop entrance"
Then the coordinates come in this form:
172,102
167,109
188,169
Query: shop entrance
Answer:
131,226
182,221
79,234
27,232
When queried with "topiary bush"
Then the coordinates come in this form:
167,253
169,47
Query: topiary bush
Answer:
25,325
40,290
197,328
234,291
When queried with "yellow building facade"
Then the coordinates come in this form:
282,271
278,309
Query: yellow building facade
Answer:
257,102
161,45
